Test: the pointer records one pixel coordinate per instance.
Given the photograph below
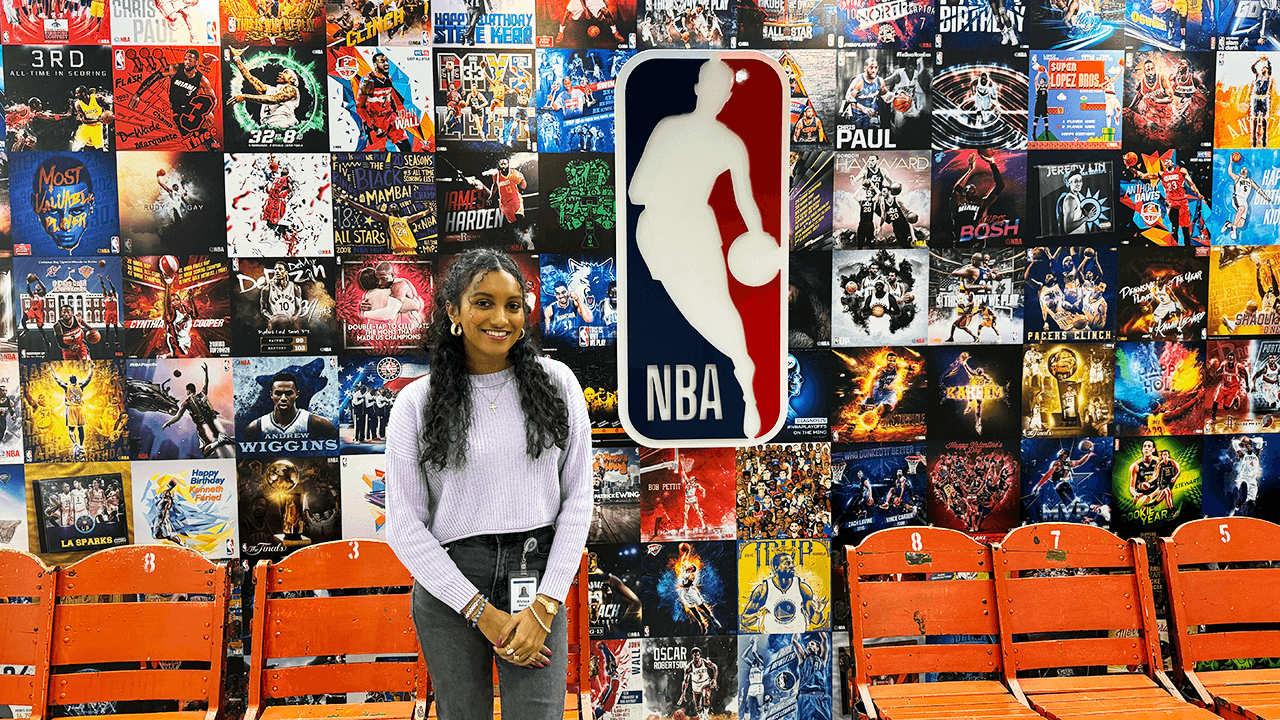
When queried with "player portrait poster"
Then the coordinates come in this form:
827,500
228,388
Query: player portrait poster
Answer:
74,411
1244,97
616,481
687,494
881,199
884,99
76,508
483,100
180,409
673,24
275,98
63,116
286,405
168,98
975,296
1076,199
1059,25
974,486
809,394
1162,294
71,23
876,486
64,204
910,25
1244,286
1240,478
364,496
689,588
173,204
394,24
1165,198
785,676
811,200
784,586
982,24
1155,484
13,508
975,392
617,687
783,491
1067,389
879,297
497,23
1166,101
284,306
384,302
980,100
287,24
980,199
575,99
1241,26
380,100
579,300
880,394
10,408
1067,481
1075,100
384,204
188,504
279,204
1187,25
813,95
790,25
1247,183
809,301
177,307
1160,388
580,214
1070,294
488,199
597,371
1242,384
613,586
68,309
368,388
287,503
164,22
690,676
596,24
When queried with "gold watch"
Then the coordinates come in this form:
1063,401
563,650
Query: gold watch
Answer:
551,606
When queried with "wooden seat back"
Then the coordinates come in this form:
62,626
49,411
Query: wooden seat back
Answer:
1039,591
1226,597
155,636
26,622
347,622
908,603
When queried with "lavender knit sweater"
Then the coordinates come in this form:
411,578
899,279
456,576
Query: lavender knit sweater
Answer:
500,489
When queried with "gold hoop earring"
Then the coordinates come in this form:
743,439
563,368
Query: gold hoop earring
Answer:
455,330
521,335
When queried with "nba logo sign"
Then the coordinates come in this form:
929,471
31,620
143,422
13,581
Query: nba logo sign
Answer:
702,262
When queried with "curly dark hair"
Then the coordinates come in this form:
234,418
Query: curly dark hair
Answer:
447,415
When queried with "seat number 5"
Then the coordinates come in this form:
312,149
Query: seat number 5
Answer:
1224,532
355,550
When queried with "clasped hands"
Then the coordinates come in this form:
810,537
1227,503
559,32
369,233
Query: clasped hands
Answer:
518,638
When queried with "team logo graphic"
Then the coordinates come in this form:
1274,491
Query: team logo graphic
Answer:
705,247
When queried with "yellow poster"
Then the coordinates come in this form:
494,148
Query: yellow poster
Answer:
784,586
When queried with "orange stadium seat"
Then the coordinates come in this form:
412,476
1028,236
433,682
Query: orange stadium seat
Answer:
26,621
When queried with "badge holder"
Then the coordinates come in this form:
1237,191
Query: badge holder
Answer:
523,583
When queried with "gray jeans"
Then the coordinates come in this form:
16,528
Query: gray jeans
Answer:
460,659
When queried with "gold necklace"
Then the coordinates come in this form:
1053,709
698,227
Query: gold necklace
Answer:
493,404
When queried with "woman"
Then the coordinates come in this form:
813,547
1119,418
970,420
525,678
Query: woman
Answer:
469,506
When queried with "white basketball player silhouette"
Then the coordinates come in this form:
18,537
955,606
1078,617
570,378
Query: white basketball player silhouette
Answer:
677,233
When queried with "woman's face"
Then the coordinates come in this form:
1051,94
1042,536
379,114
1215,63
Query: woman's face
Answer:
492,315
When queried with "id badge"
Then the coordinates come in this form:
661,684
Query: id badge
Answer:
523,587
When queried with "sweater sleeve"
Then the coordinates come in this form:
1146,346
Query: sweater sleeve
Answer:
409,509
576,500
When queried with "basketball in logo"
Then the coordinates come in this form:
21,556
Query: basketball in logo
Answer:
702,148
784,611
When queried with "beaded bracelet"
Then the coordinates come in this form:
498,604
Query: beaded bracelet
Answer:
539,619
475,618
